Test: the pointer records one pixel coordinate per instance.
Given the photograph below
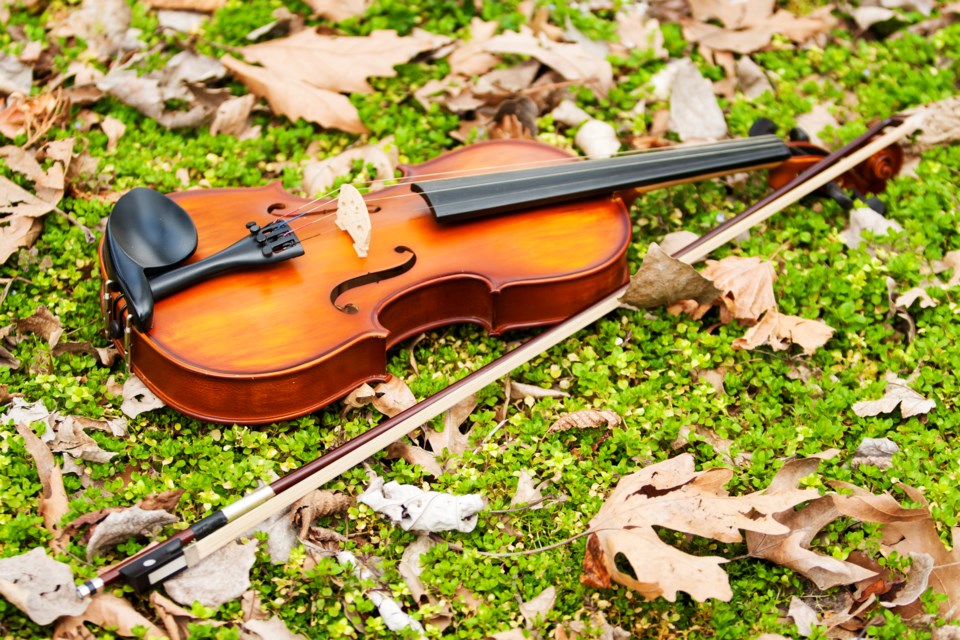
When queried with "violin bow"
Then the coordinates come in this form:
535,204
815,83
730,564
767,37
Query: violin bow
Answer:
189,546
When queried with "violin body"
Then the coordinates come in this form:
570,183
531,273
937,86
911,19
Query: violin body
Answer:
269,344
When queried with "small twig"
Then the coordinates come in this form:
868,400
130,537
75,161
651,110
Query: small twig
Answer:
88,234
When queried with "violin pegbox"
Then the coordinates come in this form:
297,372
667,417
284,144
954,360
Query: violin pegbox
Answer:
354,218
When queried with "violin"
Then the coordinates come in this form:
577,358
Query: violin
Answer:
251,305
189,546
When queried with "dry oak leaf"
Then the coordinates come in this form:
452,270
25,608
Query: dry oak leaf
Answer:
411,568
108,612
921,536
672,494
792,549
40,586
572,61
103,24
662,280
780,331
941,125
897,392
415,455
451,438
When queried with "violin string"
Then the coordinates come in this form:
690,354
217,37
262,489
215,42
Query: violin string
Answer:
711,148
497,178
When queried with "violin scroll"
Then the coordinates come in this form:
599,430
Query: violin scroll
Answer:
870,176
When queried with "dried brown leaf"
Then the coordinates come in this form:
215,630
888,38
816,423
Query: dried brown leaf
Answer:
866,219
426,460
586,419
393,396
695,113
747,285
39,586
337,10
469,58
106,356
921,536
780,331
53,497
108,612
451,438
272,629
897,393
103,25
338,64
757,32
137,398
217,579
411,568
941,125
165,500
44,324
175,619
535,610
816,121
522,390
662,280
877,452
120,526
528,491
316,505
573,62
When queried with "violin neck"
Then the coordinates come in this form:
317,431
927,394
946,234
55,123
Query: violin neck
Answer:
467,197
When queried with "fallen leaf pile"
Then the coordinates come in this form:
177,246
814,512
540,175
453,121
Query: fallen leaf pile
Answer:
742,288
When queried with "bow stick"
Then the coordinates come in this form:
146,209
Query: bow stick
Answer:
191,545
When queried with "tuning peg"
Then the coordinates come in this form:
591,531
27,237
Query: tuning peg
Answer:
798,135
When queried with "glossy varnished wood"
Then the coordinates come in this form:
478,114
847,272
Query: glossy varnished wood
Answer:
264,345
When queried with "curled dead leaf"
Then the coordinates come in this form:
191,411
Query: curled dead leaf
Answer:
662,280
586,419
316,505
53,497
120,526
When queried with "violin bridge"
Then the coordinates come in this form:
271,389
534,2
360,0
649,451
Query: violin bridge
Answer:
354,218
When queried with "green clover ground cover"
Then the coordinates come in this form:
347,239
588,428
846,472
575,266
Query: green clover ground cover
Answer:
640,365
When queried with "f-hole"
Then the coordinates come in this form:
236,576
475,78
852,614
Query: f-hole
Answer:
370,278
